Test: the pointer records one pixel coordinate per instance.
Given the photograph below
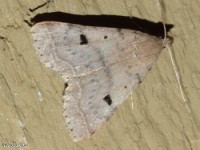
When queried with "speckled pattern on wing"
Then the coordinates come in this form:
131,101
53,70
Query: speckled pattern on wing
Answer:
101,66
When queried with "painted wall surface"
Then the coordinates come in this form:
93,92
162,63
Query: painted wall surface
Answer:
156,117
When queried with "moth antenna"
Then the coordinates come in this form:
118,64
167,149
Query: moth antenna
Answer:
166,44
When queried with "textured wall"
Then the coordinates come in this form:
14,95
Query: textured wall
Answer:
30,94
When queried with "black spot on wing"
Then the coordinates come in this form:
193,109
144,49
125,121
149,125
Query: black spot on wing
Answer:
108,99
65,86
105,37
83,39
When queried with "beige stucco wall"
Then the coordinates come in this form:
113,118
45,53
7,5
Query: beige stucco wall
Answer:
30,94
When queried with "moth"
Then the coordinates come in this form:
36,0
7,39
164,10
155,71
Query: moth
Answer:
100,65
